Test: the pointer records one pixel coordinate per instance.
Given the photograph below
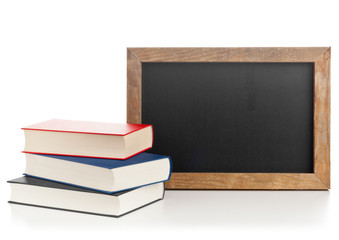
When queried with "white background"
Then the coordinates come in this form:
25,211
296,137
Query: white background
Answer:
67,59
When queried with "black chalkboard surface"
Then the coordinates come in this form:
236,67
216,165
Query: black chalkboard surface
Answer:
231,117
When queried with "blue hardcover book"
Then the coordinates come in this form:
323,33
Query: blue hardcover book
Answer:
99,174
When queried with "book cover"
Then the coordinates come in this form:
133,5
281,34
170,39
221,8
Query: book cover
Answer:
72,126
58,194
88,139
110,163
75,170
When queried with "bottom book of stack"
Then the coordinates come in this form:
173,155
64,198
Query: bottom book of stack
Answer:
48,194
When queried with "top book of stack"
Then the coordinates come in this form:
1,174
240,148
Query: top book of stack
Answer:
88,139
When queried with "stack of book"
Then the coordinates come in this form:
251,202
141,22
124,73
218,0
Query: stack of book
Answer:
90,167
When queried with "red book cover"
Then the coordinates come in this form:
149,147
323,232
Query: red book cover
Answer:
86,127
102,128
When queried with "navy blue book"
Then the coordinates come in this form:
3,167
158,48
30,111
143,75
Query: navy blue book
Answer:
99,174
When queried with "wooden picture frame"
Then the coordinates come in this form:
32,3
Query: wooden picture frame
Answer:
319,56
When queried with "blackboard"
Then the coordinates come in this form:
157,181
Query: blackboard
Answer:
236,118
231,117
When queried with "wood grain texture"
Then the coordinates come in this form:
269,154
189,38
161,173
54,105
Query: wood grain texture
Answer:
322,98
228,54
252,181
133,88
320,56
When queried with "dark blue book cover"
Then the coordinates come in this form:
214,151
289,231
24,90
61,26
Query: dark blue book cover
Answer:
107,164
110,163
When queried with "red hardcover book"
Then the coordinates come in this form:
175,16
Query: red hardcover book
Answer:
88,139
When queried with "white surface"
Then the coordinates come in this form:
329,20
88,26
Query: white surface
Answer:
67,59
